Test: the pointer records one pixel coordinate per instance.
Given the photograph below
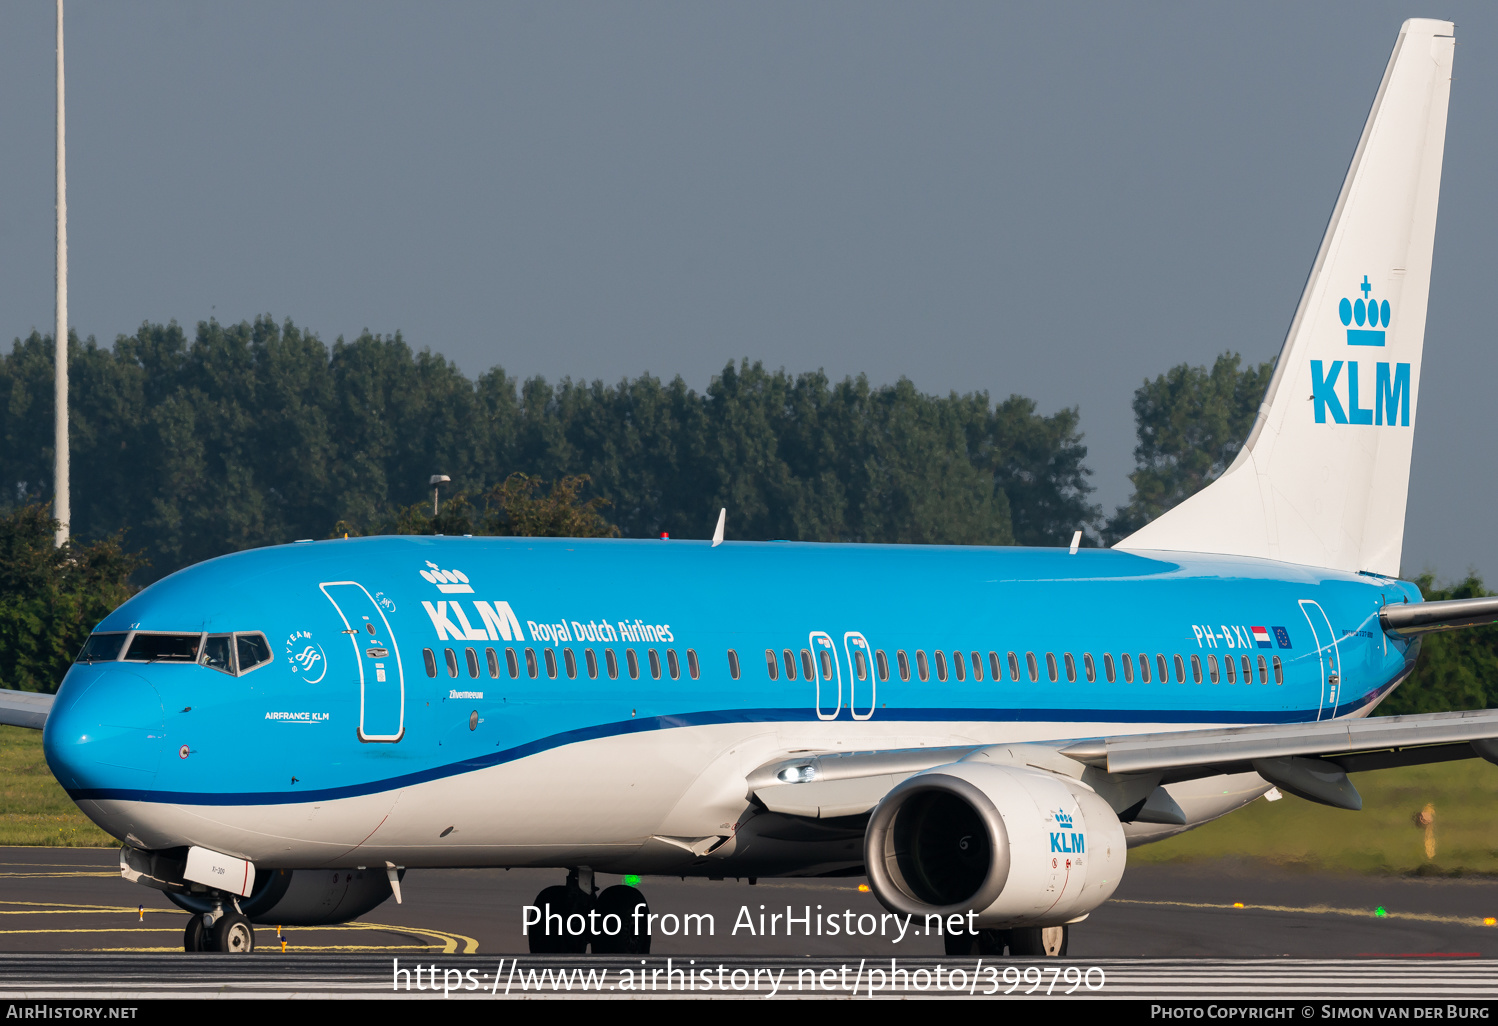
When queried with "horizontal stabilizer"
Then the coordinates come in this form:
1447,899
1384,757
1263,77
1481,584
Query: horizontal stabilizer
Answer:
24,708
1429,617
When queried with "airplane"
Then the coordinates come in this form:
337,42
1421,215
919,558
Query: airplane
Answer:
276,735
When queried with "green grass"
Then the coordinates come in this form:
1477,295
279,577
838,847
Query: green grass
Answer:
1382,838
34,809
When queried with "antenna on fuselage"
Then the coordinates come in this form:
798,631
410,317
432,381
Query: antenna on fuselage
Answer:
718,531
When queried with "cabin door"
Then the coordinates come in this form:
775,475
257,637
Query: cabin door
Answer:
381,681
1328,659
827,676
860,675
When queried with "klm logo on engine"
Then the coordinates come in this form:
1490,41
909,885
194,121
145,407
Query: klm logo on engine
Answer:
1366,320
1064,840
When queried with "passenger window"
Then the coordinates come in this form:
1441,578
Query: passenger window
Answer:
1013,666
1128,667
883,663
570,660
733,664
1090,667
1227,664
941,664
218,655
473,662
1144,668
592,660
634,663
672,665
428,657
452,662
493,659
252,650
807,670
772,666
551,662
1050,666
1279,670
995,670
957,666
1164,669
1212,670
1032,666
904,662
611,661
1263,671
512,664
1196,669
530,664
1248,671
692,663
655,663
922,670
860,664
1180,669
1071,669
1108,673
977,666
826,660
790,665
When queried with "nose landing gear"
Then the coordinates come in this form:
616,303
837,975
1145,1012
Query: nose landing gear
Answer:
573,916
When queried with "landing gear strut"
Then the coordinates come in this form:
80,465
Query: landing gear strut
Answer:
574,915
1022,942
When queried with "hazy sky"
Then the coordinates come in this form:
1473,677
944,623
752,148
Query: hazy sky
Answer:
1055,200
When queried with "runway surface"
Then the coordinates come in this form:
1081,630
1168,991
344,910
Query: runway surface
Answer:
1193,931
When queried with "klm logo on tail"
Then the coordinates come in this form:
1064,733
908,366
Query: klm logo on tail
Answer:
1366,320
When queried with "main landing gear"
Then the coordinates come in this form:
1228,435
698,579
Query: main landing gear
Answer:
1022,942
223,930
572,916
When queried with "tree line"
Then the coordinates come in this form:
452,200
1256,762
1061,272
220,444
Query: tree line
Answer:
259,433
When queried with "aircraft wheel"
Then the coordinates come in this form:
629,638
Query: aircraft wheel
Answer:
1045,941
232,934
984,942
622,900
194,937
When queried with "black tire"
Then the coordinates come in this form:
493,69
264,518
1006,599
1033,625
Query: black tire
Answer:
194,937
232,934
621,900
984,942
1039,942
565,902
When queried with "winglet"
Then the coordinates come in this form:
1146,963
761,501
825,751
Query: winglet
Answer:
718,531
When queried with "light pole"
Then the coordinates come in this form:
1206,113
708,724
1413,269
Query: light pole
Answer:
63,502
437,481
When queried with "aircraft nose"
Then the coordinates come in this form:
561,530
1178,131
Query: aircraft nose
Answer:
106,735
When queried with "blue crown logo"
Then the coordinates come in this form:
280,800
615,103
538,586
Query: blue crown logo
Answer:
1063,820
1364,310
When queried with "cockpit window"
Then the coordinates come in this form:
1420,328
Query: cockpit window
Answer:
218,653
163,648
102,648
253,650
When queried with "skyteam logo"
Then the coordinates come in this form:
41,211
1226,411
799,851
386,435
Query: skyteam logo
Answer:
449,582
1065,840
1366,320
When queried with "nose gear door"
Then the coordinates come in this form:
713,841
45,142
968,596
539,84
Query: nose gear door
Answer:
382,681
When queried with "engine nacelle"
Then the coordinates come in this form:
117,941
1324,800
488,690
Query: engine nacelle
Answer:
303,897
1021,847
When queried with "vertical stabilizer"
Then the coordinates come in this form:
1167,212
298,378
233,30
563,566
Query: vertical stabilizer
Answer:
1324,476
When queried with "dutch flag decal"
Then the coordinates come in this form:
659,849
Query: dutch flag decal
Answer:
1261,635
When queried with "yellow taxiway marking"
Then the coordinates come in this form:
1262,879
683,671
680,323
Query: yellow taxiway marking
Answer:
56,876
1317,910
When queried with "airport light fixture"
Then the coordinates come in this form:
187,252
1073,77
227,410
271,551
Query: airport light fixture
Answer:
437,481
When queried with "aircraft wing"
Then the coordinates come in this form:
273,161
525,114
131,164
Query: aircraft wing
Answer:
24,708
1310,760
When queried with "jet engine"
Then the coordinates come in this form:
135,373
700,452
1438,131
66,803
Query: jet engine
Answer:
1019,846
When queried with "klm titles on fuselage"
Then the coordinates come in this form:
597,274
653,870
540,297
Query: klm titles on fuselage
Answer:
1366,321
